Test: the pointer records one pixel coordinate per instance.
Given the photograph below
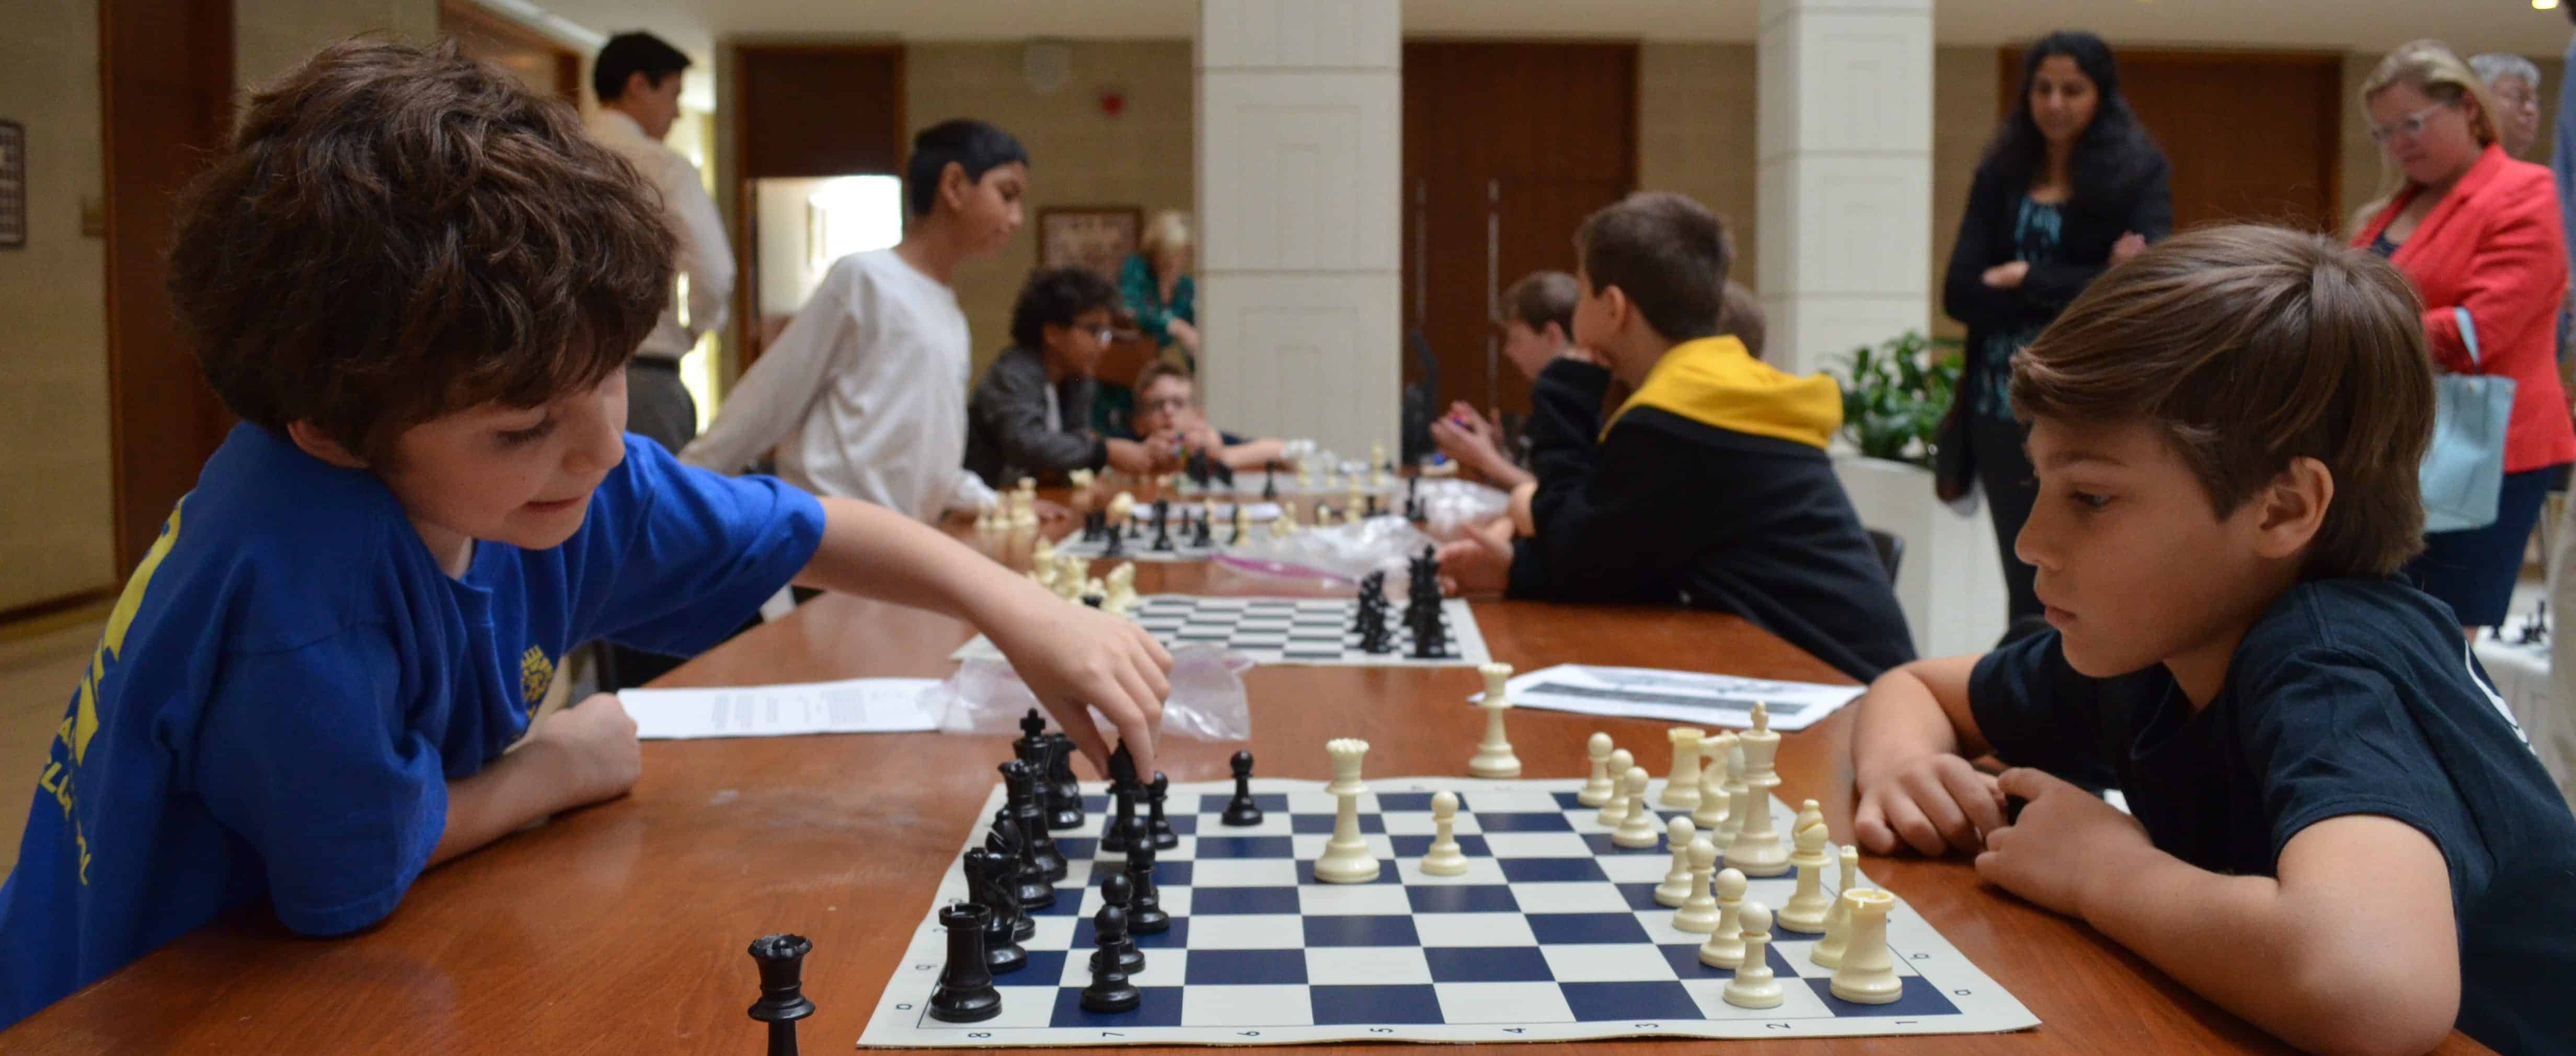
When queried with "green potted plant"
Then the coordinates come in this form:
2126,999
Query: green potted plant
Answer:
1894,396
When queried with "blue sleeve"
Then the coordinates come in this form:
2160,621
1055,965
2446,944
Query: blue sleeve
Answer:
307,755
682,556
2328,736
2562,154
2038,711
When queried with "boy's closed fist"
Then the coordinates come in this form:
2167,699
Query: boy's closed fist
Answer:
594,745
1933,803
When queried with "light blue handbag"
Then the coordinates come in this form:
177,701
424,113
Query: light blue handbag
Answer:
2464,468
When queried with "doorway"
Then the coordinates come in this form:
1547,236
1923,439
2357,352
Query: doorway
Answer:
1508,145
819,149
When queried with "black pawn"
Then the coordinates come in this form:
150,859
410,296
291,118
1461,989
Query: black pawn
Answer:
1270,482
965,992
989,884
1110,991
1024,807
1241,810
1063,791
1115,892
1155,823
781,960
1116,548
1146,916
1031,886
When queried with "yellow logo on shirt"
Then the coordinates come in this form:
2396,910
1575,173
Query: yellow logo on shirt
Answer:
60,779
536,675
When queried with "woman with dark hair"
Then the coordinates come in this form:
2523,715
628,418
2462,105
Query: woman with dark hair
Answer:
2070,186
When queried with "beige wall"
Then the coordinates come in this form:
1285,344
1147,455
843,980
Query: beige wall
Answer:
1695,133
271,36
1080,156
54,471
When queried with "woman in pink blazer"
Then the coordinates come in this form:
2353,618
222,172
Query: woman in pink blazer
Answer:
2478,235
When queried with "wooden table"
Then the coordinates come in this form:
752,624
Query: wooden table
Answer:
622,928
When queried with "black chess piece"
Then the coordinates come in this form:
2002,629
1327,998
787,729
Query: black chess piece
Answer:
1022,806
990,883
1123,790
781,960
1110,990
1241,810
1155,823
965,992
1413,498
1063,791
1145,914
1116,547
1206,535
1117,892
1031,884
1372,504
1162,526
1198,468
1031,743
1270,482
1430,637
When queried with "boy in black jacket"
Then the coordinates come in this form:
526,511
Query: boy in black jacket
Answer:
1710,487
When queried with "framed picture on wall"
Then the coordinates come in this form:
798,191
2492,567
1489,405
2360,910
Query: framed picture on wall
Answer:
13,185
1097,237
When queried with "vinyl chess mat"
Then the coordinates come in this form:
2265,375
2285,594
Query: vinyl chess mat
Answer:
1309,631
1552,934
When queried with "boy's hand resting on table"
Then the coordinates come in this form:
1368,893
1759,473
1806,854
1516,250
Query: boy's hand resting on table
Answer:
1076,658
594,749
2063,837
1479,562
1934,803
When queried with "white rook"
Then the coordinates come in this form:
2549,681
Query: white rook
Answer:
1494,758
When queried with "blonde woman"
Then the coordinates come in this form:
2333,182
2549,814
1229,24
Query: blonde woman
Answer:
2477,233
1156,287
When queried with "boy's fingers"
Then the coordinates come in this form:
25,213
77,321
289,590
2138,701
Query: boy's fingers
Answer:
1076,723
1870,825
1933,799
1909,823
1975,794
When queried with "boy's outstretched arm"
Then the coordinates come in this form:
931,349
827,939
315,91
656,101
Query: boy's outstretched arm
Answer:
1910,745
1072,657
2352,949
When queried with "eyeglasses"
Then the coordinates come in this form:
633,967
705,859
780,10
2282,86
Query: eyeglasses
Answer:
2409,127
1167,405
1105,335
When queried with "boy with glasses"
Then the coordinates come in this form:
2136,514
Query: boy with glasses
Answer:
1031,413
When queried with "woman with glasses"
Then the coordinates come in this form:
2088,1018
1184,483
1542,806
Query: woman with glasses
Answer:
2069,186
2513,83
2477,234
1030,415
1155,286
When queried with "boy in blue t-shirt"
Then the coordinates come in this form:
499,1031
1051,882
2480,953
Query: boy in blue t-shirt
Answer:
417,284
2338,831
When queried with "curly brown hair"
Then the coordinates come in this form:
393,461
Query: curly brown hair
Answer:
398,233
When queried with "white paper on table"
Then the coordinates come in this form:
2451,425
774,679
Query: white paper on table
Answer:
859,705
1677,696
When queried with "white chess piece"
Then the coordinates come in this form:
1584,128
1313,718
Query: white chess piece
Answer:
1637,827
1122,589
1346,858
1868,971
1323,516
1757,849
1242,520
1617,807
1598,790
1122,508
1042,550
1682,788
1754,985
1444,858
984,518
1829,953
1072,571
1725,946
1080,479
1494,758
1024,504
1714,806
1676,888
1701,914
1807,908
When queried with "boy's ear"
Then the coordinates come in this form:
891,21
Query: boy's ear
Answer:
2293,508
1555,334
954,186
313,441
637,85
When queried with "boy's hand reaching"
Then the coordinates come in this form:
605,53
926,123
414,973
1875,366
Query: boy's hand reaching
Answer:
1932,803
2063,837
1076,658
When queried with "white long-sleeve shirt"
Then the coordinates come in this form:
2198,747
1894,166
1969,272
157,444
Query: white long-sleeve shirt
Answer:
705,255
867,390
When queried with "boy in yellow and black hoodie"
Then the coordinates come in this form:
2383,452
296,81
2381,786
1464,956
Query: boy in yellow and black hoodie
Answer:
1708,488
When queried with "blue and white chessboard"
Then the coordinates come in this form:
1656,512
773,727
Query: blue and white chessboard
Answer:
1308,631
1552,935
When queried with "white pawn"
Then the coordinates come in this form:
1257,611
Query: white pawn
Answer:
1494,758
1807,908
1637,827
1346,858
1444,858
1682,788
1829,953
1753,985
1598,790
1677,886
1042,550
1868,971
1714,806
1616,809
1725,946
1702,914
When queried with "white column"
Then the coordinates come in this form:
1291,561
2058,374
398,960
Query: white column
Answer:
1846,181
1300,155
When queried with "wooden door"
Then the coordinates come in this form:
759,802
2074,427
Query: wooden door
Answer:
166,86
1507,146
2252,136
805,110
545,66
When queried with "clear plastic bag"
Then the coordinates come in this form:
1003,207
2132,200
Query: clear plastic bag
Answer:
1451,506
1329,561
1207,703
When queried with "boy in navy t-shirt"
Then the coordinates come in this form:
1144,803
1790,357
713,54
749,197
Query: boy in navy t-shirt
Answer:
2338,832
417,284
